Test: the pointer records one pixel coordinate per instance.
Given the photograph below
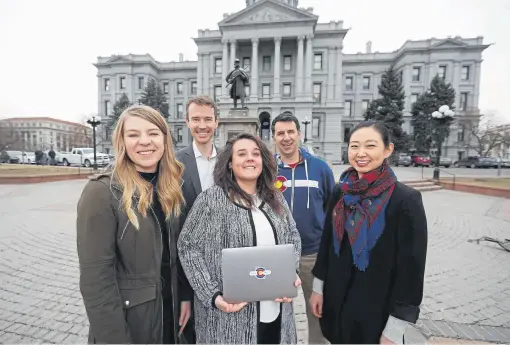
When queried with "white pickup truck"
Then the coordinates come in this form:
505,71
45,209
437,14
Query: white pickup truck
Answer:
84,156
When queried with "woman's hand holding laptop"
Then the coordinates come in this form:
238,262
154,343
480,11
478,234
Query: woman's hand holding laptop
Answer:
297,283
228,307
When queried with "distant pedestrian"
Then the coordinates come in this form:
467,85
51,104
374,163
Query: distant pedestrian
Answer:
38,157
52,155
370,267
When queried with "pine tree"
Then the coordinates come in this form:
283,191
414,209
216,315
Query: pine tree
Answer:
154,97
389,108
119,106
425,129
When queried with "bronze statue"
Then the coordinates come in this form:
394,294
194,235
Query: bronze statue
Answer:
238,79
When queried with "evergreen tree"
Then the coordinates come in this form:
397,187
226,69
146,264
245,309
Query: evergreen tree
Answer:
389,108
425,129
118,108
154,97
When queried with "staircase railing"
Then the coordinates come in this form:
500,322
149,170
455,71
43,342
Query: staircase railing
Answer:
443,170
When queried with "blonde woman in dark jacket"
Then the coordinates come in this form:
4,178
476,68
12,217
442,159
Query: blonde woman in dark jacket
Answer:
133,287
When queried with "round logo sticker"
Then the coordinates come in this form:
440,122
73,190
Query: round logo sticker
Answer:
260,273
279,183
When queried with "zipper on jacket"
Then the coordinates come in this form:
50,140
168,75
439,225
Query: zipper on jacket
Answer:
292,193
162,301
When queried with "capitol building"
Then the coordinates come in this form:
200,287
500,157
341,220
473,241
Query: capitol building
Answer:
297,64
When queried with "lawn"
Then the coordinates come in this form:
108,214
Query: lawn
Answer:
25,170
491,182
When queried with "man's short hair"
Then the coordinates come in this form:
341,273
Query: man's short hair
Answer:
285,117
202,100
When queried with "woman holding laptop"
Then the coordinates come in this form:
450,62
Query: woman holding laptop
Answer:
370,266
243,209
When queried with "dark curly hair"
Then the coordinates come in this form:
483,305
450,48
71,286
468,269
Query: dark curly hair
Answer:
266,190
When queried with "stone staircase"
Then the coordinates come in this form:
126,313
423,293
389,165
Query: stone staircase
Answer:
422,185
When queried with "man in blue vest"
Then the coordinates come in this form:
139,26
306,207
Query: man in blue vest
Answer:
307,183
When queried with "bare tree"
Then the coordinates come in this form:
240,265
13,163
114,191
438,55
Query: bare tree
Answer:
102,132
9,137
486,135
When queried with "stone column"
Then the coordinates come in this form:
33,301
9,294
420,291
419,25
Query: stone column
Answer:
299,68
206,71
224,62
331,74
339,80
200,79
308,66
232,54
476,80
254,89
407,76
276,82
456,82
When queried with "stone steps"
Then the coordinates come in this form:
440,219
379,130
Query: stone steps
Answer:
422,185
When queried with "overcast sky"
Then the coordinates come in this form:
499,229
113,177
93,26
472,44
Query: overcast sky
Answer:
48,46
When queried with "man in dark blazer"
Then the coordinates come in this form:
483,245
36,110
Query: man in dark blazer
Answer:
199,159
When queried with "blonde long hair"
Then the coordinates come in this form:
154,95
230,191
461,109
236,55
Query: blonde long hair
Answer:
125,173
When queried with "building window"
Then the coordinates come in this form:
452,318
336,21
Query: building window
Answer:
246,62
122,83
317,92
349,82
266,90
364,105
218,65
317,61
193,87
178,135
266,63
217,93
347,133
463,101
107,108
180,110
141,81
460,133
287,62
180,88
107,84
465,73
416,73
414,98
366,83
286,90
442,72
166,90
316,127
348,108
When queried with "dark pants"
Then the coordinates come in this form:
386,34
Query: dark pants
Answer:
168,322
269,333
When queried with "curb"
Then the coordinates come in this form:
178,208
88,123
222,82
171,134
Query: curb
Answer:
490,191
42,179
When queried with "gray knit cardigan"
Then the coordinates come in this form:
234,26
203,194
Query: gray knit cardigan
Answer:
214,223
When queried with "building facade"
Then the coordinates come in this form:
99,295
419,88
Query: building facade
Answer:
43,133
297,64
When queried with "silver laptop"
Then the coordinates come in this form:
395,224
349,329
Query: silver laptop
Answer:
258,273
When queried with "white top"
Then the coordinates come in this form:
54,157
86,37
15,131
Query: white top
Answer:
269,310
205,167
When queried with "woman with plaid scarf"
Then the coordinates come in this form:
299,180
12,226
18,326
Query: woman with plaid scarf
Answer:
370,266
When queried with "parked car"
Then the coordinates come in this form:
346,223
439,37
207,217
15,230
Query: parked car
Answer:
420,160
505,163
84,156
14,156
404,160
477,162
443,162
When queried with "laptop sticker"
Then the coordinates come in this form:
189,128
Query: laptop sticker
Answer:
260,273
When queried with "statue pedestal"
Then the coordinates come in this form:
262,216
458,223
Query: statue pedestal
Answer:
234,122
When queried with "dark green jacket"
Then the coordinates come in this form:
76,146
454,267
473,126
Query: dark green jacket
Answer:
120,268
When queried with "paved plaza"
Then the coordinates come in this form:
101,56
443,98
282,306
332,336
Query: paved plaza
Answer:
467,291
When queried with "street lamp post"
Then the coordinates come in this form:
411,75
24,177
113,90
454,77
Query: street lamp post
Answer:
94,121
306,122
441,119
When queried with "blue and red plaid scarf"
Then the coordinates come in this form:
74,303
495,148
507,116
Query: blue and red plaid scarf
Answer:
360,211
